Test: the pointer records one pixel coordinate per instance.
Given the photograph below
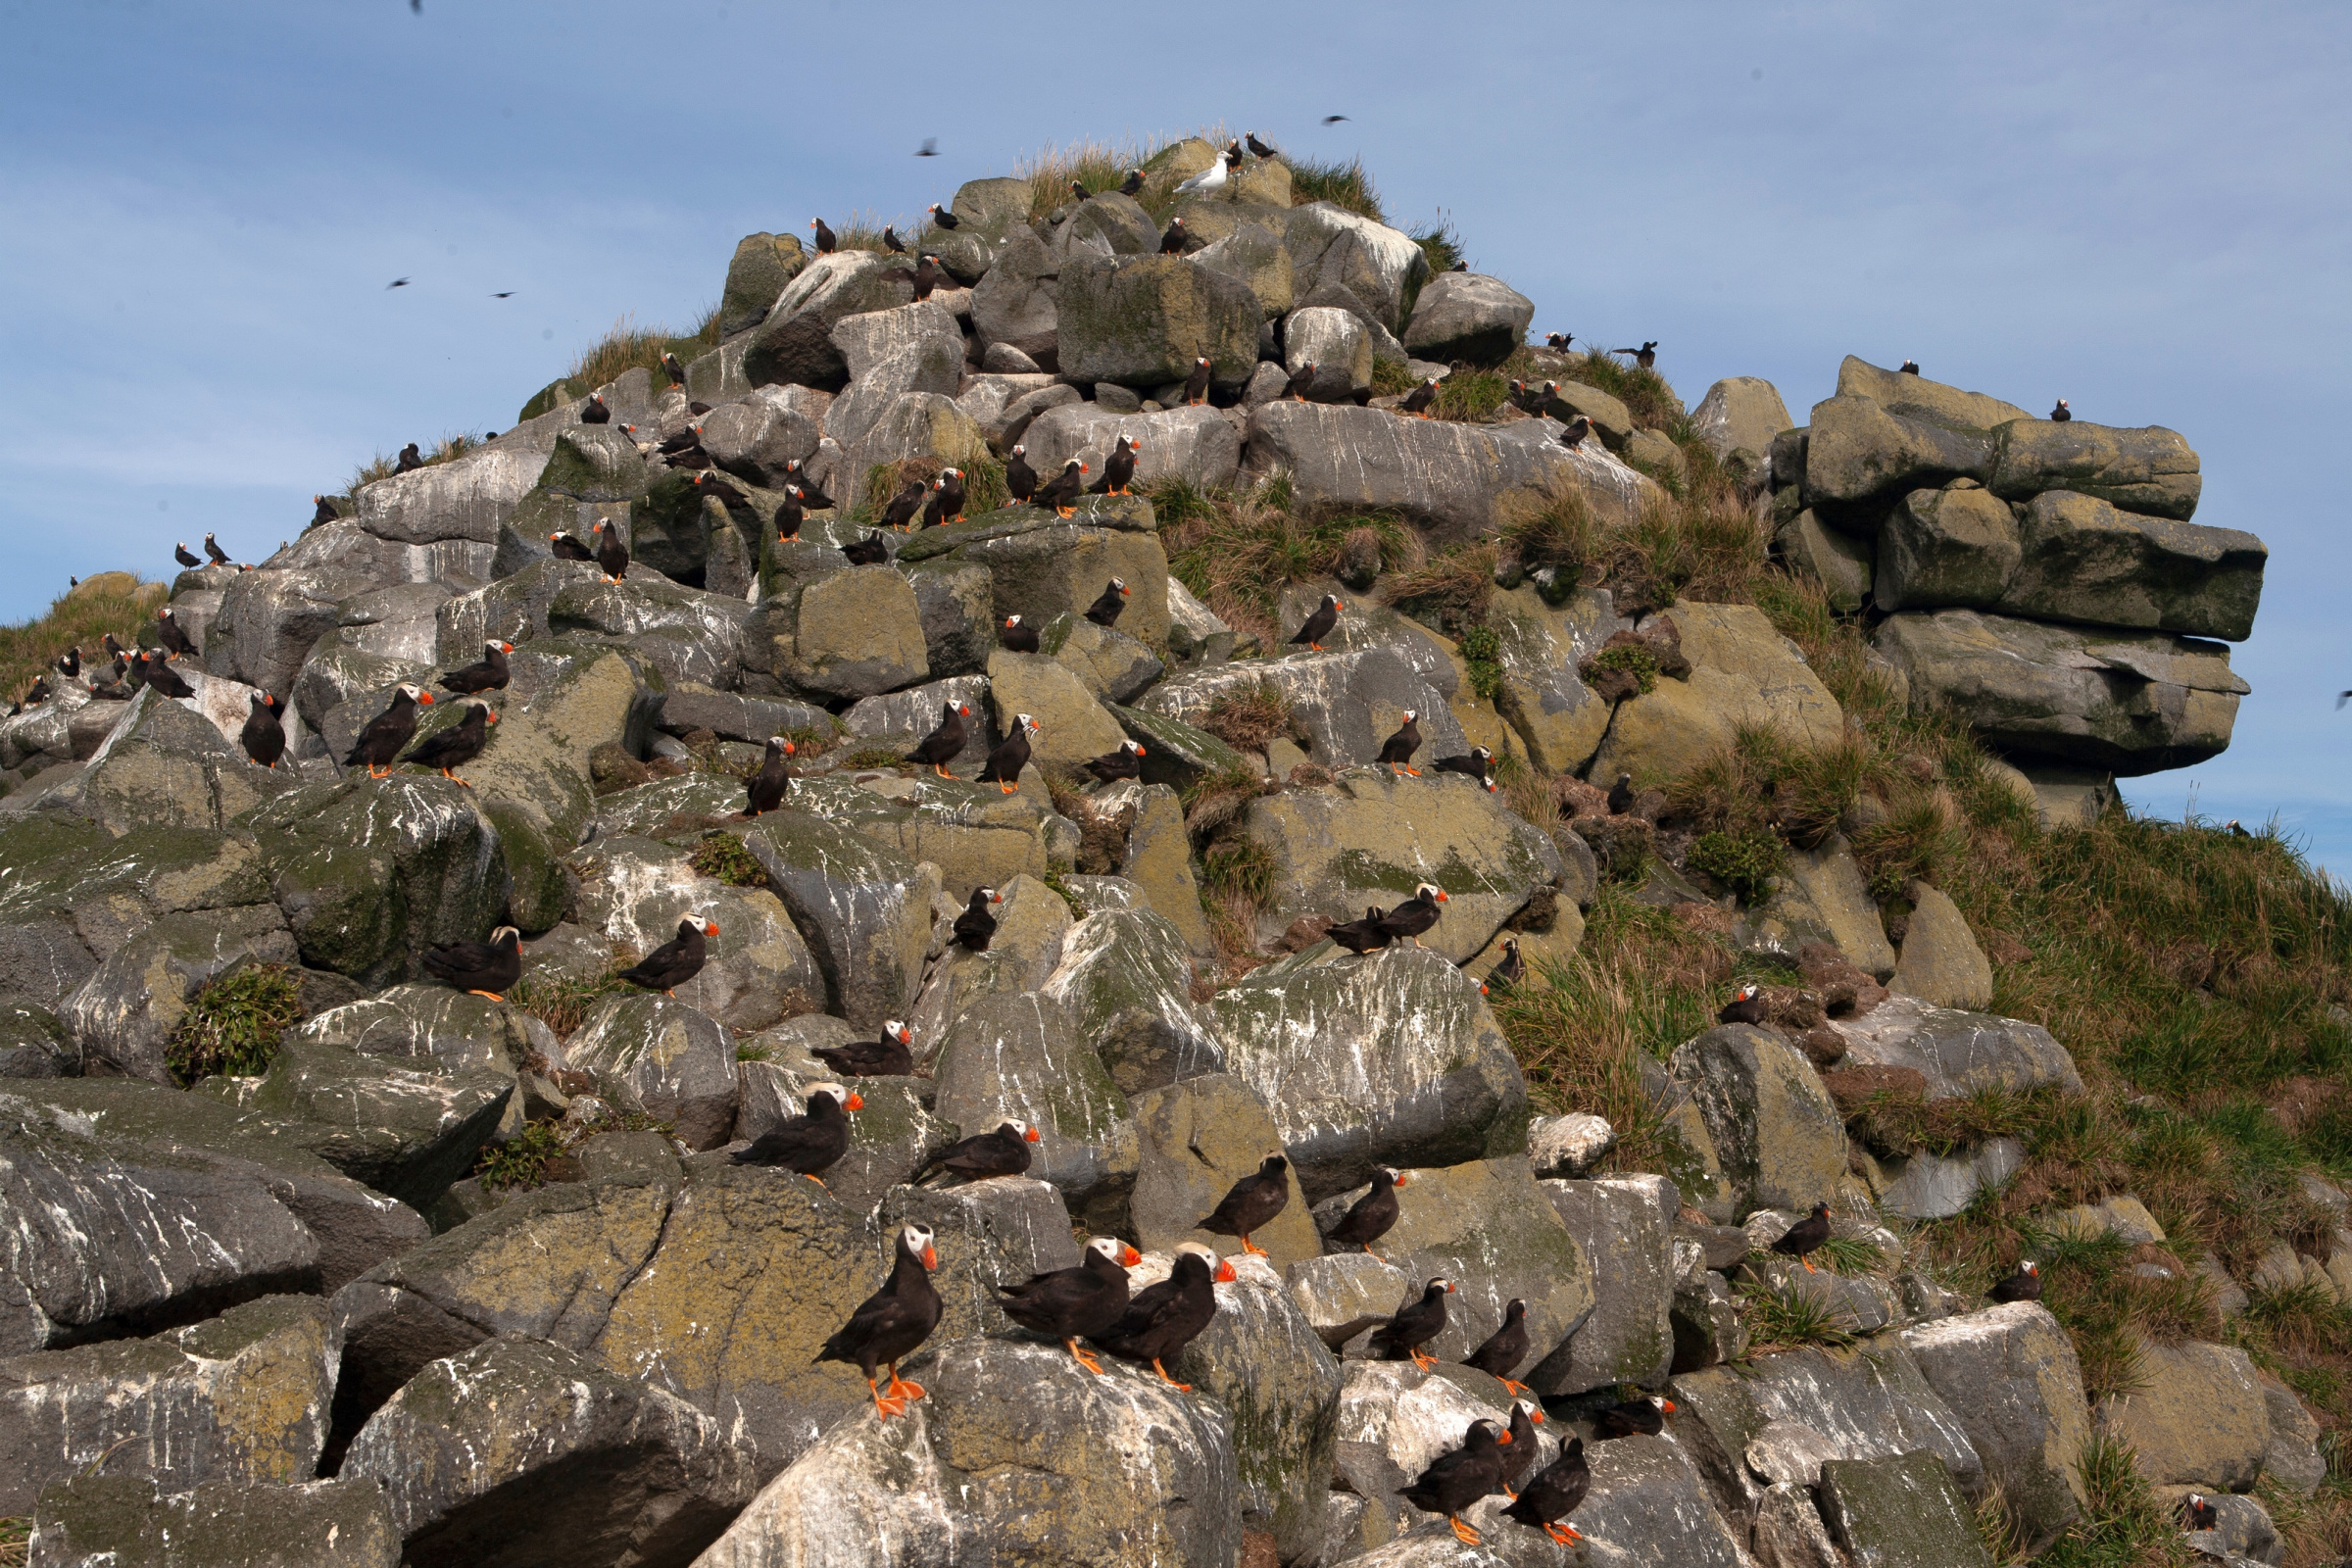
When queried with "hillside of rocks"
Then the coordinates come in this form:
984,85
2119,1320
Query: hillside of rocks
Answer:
309,1255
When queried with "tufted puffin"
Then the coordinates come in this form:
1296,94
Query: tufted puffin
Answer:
1016,637
1005,763
975,927
263,737
1416,401
1644,1417
1415,915
1373,1215
1503,1353
563,547
935,749
1195,385
887,1056
1558,1487
1105,610
1457,1479
458,744
676,961
891,1324
1020,480
946,505
1397,752
1252,1204
388,732
811,1142
1161,1319
484,968
489,675
610,554
767,786
1111,767
1075,1304
1003,1151
1804,1236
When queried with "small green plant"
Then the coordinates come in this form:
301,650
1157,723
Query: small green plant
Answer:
1849,1254
1059,886
1482,652
748,1052
1344,185
2123,1525
1241,869
858,757
1391,378
562,1002
1788,1319
1633,659
521,1160
1470,397
1745,863
722,856
1440,243
232,1023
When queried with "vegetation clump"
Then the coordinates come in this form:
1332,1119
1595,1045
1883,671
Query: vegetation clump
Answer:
722,856
1745,863
232,1023
1482,655
79,618
1249,717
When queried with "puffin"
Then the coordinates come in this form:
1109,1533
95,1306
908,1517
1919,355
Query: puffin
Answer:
1133,183
1005,763
1558,341
1526,399
1504,1349
594,411
943,217
1360,937
1318,625
1161,1319
1003,1151
263,737
1526,1416
825,242
174,636
35,694
812,495
790,513
2237,829
975,927
935,749
1397,752
1373,1215
1572,434
483,968
1620,795
1252,1204
891,1324
1061,491
1017,638
892,243
114,648
185,556
1195,385
323,510
887,1056
1172,239
410,460
928,276
946,505
1111,767
388,732
563,547
765,789
903,506
489,675
1456,1480
1020,480
610,554
1747,1005
2025,1285
1260,148
154,671
1554,1495
2197,1512
1415,915
115,689
1642,1417
1078,191
1118,469
672,367
869,551
2061,414
1478,765
1105,610
1907,367
810,1142
1804,1236
1646,356
1416,401
1505,976
710,482
215,553
1075,1304
676,961
458,744
684,450
69,662
1300,383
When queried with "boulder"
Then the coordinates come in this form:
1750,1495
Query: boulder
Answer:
1019,1057
1125,978
755,438
957,609
1040,565
1623,1226
1388,1060
2082,559
2199,1418
1073,726
1336,343
1255,255
573,700
164,766
1018,303
1347,703
855,633
1569,1146
1903,1509
678,1064
1776,1132
1940,963
1372,837
733,716
1381,269
1366,623
515,1441
1844,563
425,1023
1915,396
465,497
1468,316
685,633
406,1133
762,266
922,363
973,834
1194,1140
2010,1375
1113,666
1175,754
866,341
794,342
99,1521
239,1398
1648,1501
126,1013
1959,1054
1158,858
33,1043
1740,413
1742,673
1954,546
2149,469
1557,718
1346,1287
1821,896
1199,445
759,971
1106,223
1140,321
1859,452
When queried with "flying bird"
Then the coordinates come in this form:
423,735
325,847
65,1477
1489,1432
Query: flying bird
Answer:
398,282
1333,120
507,295
929,148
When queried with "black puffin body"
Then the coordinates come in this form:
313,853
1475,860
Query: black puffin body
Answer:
790,513
944,219
1300,383
388,732
1161,1319
1416,401
766,787
892,243
946,505
1195,385
214,552
676,961
1132,183
929,275
1397,752
809,1143
1005,763
2025,1285
812,495
1171,239
154,671
671,368
866,552
891,1324
1747,1005
935,749
263,737
490,674
1558,1487
1360,937
2061,414
1260,148
1015,637
825,241
1804,1236
594,411
1111,767
174,636
1509,972
410,460
1318,625
1635,1418
1503,1353
2197,1512
1478,765
1455,1481
610,554
485,968
1105,610
887,1056
323,510
1118,469
1003,1151
1020,480
563,547
69,662
186,557
975,927
1907,367
1062,492
1373,1215
460,743
1075,1304
903,506
1252,1204
1415,915
1415,1324
1620,795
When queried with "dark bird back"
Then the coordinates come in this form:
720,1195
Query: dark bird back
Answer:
765,789
263,737
487,968
813,1141
676,961
1002,1150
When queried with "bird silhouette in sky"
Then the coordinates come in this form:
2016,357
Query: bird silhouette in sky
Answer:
929,148
507,295
398,282
1333,120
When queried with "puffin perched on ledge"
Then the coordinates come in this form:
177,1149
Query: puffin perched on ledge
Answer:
1360,937
811,1142
1642,1417
1318,625
386,733
937,749
1415,915
1415,1324
889,1056
1504,1349
2024,1285
484,968
1075,1304
1016,638
766,787
1111,767
1003,1151
975,928
1804,1236
1373,1215
892,1323
1454,1482
1005,763
1162,1319
1105,610
1397,752
676,961
263,737
458,744
1252,1204
1554,1495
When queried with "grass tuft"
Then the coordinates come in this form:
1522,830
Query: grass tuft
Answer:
1439,242
232,1023
521,1160
1791,1319
562,1002
722,856
1237,550
385,464
78,617
1246,720
1344,185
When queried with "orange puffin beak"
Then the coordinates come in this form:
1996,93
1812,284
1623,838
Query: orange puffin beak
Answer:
1031,1135
1505,1438
1536,1416
1129,1257
790,748
905,1036
996,898
1225,1274
1126,592
930,1257
505,648
490,717
1449,1286
709,928
856,1103
1400,1181
1442,899
426,698
1667,1405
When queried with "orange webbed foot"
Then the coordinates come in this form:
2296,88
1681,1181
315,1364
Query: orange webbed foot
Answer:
1462,1532
1186,1388
1082,1358
491,995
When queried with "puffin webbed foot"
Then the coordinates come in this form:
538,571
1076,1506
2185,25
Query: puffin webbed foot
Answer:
1809,1268
1424,1362
900,1389
1562,1533
1463,1532
1007,789
491,995
1251,1247
885,1404
1169,1381
1082,1358
807,1176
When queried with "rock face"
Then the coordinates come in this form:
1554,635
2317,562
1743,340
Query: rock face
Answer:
1779,1139
221,1524
2011,1377
2204,1424
1141,320
1464,316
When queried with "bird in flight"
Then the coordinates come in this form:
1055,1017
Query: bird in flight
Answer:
929,148
2341,697
507,295
1333,120
398,282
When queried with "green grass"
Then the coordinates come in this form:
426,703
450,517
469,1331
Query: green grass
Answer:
562,1002
1470,397
114,601
722,856
1635,661
15,1542
385,464
1644,393
1237,550
627,347
1241,869
1340,184
1792,1319
1439,242
2123,1525
1482,653
521,1160
232,1023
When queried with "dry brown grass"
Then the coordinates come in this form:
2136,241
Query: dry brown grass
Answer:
81,616
1101,166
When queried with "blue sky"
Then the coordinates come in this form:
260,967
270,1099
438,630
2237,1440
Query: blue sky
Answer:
2139,208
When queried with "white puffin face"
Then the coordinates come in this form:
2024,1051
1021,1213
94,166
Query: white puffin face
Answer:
896,1029
1105,1246
839,1095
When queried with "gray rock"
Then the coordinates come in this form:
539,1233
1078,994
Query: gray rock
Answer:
1568,1145
100,1521
1940,963
685,633
164,766
2149,469
425,1022
1336,343
467,498
2203,1419
2082,559
973,837
1707,1324
1740,413
734,716
1003,359
1955,546
678,1064
1018,303
868,340
855,633
1648,1501
1844,563
922,363
1468,316
240,1397
1002,1230
406,1133
795,341
1199,445
762,266
126,1013
1347,704
1141,320
1342,1288
1558,717
1624,1227
1255,255
1111,665
758,973
1903,1509
2010,1376
1175,754
1915,396
916,711
33,1043
1381,269
494,1445
1387,1060
956,606
1107,223
1019,1057
890,1136
1195,1139
1126,980
1040,565
2293,1459
753,439
1959,1052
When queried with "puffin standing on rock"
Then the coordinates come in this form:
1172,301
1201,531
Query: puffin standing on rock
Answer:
676,961
1804,1236
1415,915
1004,1150
1373,1215
811,1142
1118,469
790,513
1062,492
869,551
1162,1319
1526,1416
1005,763
1360,937
1020,480
2061,414
155,671
1416,401
1415,1324
1195,385
563,547
889,1056
388,732
610,554
771,780
1397,752
489,675
172,635
1317,626
1252,1204
935,749
1016,638
2025,1285
1644,1417
1747,1005
1503,1353
1105,610
891,1324
946,505
1558,1487
903,506
1478,765
827,243
1111,767
1509,972
1454,1482
220,558
460,743
186,557
263,737
480,968
1075,1304
1300,383
975,928
594,411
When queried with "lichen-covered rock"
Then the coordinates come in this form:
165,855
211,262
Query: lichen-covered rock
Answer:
1113,666
1741,415
1821,896
465,497
1775,1133
164,766
1018,303
2148,469
1647,1500
1844,563
1040,565
242,1397
922,363
1742,672
1554,712
2293,1459
1387,1060
2082,559
102,1521
683,632
517,1440
1194,1140
677,1063
1019,1057
126,1013
890,1136
1383,269
1623,1225
1159,856
2010,1376
1124,977
1901,1510
2200,1419
1467,317
1175,753
794,342
1959,1054
864,909
1955,546
33,1043
1073,726
1032,920
1197,444
1140,321
403,1132
1347,703
917,710
1940,963
759,971
1336,343
975,835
